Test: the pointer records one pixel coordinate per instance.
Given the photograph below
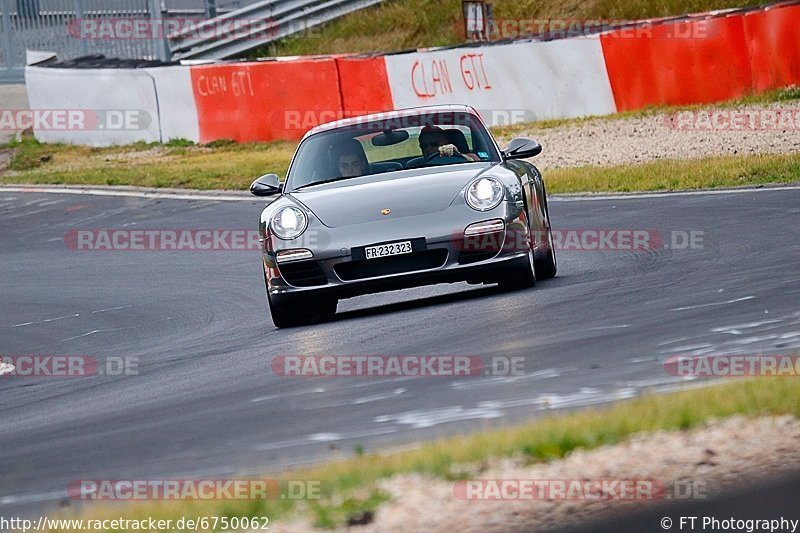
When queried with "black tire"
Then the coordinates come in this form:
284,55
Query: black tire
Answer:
291,312
324,308
520,277
285,314
545,266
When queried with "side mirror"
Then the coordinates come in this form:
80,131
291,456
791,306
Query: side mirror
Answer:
266,185
522,148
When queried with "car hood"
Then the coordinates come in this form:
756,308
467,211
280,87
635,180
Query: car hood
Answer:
405,193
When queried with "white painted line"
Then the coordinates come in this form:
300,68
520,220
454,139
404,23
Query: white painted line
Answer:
98,331
131,194
379,397
433,417
6,368
45,320
33,498
713,304
322,437
646,195
111,308
230,198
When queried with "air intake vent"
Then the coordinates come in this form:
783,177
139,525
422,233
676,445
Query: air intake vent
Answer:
373,268
303,274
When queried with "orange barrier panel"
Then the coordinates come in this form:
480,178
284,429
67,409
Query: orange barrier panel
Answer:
699,61
265,101
364,85
773,41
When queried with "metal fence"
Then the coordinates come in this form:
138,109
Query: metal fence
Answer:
74,28
258,24
153,29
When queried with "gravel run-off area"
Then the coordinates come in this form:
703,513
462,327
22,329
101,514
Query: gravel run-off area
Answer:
699,463
713,131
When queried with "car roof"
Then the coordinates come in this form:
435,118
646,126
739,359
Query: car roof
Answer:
399,113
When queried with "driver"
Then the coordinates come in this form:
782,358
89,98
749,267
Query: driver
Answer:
433,141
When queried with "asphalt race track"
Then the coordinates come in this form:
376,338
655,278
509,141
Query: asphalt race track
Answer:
205,402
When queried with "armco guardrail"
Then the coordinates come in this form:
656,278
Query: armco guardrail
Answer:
695,59
256,25
74,28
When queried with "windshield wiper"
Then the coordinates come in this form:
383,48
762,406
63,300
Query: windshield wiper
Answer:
323,181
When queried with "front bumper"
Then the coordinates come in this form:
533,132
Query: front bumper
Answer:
441,254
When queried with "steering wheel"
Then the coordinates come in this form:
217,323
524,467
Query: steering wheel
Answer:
445,159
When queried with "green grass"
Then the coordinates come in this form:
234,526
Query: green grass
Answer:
350,485
218,165
670,174
405,24
235,167
224,164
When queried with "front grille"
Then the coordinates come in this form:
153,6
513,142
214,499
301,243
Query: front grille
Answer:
303,274
385,266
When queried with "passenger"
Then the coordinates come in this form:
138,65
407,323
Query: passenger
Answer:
351,160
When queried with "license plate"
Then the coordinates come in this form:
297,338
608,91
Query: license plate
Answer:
386,250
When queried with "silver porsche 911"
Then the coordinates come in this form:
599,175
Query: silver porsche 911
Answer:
401,199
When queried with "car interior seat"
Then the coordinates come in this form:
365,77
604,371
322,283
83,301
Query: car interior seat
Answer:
458,139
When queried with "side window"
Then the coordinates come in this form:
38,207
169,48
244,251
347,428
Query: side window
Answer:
480,148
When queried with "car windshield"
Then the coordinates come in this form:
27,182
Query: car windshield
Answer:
391,145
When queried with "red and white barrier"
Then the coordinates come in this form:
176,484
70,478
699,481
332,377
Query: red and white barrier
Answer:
533,80
268,100
702,58
773,45
687,62
108,106
177,108
364,85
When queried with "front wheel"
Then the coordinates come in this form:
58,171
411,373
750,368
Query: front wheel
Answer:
522,276
545,265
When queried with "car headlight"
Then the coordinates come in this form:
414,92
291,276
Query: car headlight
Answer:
485,193
289,223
